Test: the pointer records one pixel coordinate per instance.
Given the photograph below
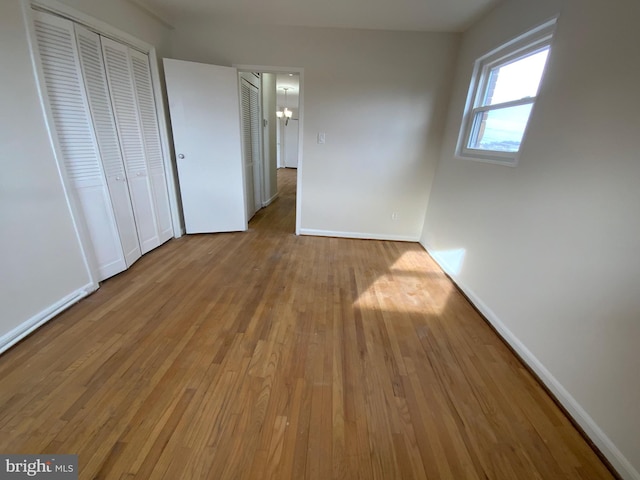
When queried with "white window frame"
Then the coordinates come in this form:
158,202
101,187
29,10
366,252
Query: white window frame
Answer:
526,44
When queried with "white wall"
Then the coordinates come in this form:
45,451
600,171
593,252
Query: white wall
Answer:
128,18
551,246
380,97
41,260
269,134
40,257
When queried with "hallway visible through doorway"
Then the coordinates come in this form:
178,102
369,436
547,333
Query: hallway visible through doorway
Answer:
281,214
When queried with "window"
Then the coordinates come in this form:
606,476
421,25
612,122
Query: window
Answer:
503,91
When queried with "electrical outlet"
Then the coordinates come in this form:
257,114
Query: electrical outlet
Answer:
394,216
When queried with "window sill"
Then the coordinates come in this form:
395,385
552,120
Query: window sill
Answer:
489,157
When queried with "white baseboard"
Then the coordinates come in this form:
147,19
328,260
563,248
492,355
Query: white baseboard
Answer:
622,465
358,235
270,201
18,333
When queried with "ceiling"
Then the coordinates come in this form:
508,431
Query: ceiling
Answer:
416,15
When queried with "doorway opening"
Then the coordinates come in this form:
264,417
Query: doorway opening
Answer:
272,117
288,87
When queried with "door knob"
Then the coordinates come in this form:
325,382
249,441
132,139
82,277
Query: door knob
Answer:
180,156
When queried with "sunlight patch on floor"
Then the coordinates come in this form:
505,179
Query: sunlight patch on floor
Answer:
413,284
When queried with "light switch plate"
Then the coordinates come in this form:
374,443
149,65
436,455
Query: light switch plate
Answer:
321,137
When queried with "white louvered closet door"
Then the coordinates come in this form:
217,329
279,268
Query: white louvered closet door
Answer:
72,123
151,135
256,149
123,101
247,146
95,81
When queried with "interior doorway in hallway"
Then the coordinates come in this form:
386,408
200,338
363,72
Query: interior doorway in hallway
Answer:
282,119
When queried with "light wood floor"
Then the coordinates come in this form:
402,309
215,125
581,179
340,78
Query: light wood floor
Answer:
265,355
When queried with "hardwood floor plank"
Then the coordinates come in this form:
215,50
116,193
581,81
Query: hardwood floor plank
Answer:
262,354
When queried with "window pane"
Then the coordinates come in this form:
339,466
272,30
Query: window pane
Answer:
500,130
517,79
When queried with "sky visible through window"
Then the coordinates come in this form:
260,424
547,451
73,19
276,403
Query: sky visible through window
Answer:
503,129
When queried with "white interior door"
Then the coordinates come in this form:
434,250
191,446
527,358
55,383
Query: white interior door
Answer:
107,137
123,100
72,123
205,119
247,148
151,136
251,142
256,146
291,143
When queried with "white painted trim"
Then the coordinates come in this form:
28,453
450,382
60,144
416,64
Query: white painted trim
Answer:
270,200
358,235
300,72
25,328
622,465
526,42
170,173
300,155
265,143
509,162
79,227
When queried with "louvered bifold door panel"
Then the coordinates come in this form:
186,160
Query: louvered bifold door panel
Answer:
123,101
75,136
247,150
151,136
256,154
95,82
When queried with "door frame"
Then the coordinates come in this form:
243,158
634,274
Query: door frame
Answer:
288,138
260,165
300,71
